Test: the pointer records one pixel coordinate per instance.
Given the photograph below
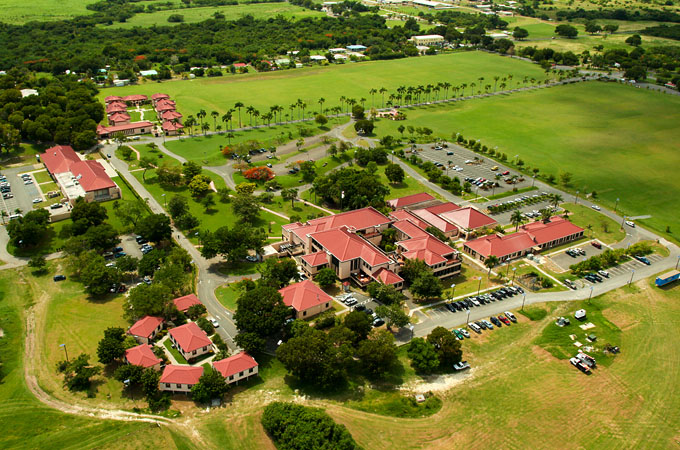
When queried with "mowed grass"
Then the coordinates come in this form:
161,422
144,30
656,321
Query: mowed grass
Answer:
28,423
262,90
603,228
614,139
17,12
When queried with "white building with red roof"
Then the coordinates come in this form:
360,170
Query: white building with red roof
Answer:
155,98
190,340
186,301
306,299
179,378
314,262
116,107
119,118
113,98
79,178
237,367
436,221
171,116
442,259
127,129
172,128
146,328
142,355
409,200
531,238
136,99
468,220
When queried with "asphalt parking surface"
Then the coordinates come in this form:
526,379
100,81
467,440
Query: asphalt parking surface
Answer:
23,195
564,261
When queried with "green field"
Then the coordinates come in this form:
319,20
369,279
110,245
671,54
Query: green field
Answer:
227,296
614,139
16,12
603,228
262,90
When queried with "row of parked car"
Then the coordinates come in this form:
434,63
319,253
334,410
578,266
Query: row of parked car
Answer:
504,319
500,294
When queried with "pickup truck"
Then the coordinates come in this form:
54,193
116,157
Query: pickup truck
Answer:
461,366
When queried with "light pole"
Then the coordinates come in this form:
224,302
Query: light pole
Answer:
616,205
632,272
65,351
514,272
392,156
411,328
576,198
479,287
468,316
165,201
623,221
677,262
591,294
453,290
524,297
507,271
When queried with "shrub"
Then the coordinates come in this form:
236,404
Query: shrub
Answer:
259,174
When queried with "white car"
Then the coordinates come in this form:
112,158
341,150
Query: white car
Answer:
215,323
27,182
603,273
596,208
37,200
630,224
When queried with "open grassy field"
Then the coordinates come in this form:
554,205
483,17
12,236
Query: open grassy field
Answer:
614,139
27,422
17,12
262,90
231,12
603,228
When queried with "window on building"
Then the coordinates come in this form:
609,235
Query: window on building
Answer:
327,304
240,374
178,385
194,352
231,377
167,385
250,370
304,313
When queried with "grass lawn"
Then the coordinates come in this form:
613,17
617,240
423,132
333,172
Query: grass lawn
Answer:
591,126
16,12
135,116
262,90
232,12
174,352
42,176
468,280
24,154
603,228
29,423
227,296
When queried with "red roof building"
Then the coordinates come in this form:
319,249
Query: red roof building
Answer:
186,302
161,108
549,234
179,378
91,175
159,96
409,200
128,129
135,99
119,118
434,220
359,219
407,229
142,355
116,107
442,259
468,219
113,98
190,340
58,159
386,276
146,328
171,115
237,65
442,208
236,367
345,246
306,298
171,128
406,215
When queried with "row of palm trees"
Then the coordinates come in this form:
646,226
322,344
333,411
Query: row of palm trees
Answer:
517,218
403,95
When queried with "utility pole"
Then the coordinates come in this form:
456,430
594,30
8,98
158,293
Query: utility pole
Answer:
65,351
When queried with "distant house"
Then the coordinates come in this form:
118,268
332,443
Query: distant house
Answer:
135,100
28,92
142,355
439,257
148,73
165,105
116,107
469,220
179,378
306,298
113,98
128,129
356,48
185,302
190,340
428,39
317,58
159,96
237,367
119,118
146,328
172,128
171,115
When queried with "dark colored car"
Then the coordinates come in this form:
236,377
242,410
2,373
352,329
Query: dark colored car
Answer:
482,325
495,321
596,244
643,259
450,307
59,277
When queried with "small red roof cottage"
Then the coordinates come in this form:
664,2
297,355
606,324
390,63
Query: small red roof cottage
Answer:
186,302
236,367
401,202
142,355
306,298
179,378
189,338
146,327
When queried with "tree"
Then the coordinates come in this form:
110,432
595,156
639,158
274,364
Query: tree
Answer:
38,264
259,311
364,126
205,325
412,269
279,272
96,277
394,173
378,353
520,33
565,178
196,311
110,348
154,227
77,372
611,28
126,153
289,194
592,27
517,219
129,213
393,314
149,300
208,201
246,207
85,215
423,356
308,171
351,188
490,262
637,73
200,185
426,285
634,40
149,263
178,206
386,294
101,237
233,243
211,385
190,169
567,31
321,120
446,346
146,163
358,112
359,323
326,277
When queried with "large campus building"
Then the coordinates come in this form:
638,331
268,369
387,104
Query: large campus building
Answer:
79,178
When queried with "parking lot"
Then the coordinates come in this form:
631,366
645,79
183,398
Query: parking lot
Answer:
625,269
564,261
22,195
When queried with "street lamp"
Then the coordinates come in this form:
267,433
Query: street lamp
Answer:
623,221
677,262
165,201
411,328
616,205
591,294
534,181
632,272
524,297
514,272
453,290
65,351
576,198
507,271
479,287
392,156
468,316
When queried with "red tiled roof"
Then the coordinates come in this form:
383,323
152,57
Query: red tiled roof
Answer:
240,64
434,220
315,259
468,218
128,126
428,248
501,245
359,219
181,374
113,98
304,295
59,158
136,97
169,115
303,230
142,355
442,208
409,228
159,96
386,276
405,215
557,228
119,117
92,175
410,200
237,363
164,107
145,326
190,337
115,107
346,245
169,126
186,302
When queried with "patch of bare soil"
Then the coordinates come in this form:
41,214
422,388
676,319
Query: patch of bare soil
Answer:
436,383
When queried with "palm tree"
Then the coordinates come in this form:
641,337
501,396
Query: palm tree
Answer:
495,81
226,118
292,107
215,115
517,219
462,87
303,105
473,86
372,92
321,102
249,111
256,114
201,115
502,86
491,261
205,127
230,135
589,227
190,123
556,199
342,102
362,101
382,91
446,85
238,106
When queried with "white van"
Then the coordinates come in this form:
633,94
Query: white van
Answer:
475,328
